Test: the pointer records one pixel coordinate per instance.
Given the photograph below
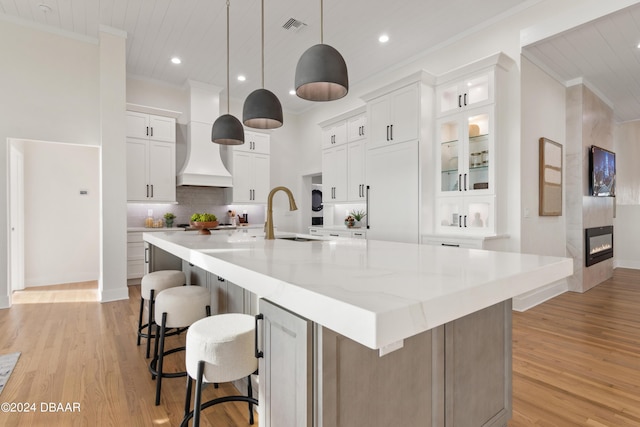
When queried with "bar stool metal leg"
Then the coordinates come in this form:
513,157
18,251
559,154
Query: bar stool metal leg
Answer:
140,318
150,323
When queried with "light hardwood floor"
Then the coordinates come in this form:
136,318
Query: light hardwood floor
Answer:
576,361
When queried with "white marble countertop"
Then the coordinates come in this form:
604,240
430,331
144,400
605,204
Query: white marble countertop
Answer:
376,293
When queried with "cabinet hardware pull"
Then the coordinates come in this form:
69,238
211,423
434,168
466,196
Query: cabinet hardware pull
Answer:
259,354
147,130
146,255
465,99
387,133
460,221
465,182
362,130
392,132
220,279
151,130
450,244
459,101
367,203
459,182
147,190
152,191
334,235
465,221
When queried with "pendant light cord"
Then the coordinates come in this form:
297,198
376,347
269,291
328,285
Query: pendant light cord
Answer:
228,94
321,22
262,17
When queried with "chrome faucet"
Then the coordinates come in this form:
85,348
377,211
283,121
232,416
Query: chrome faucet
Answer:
268,226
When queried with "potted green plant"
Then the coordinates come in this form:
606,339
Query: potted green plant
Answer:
358,215
168,219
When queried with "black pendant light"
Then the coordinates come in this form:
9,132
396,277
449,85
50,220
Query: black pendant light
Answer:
262,109
227,130
321,73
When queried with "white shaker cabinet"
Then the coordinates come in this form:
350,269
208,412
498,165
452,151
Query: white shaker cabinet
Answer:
149,126
469,92
395,117
151,158
286,368
334,174
250,166
343,157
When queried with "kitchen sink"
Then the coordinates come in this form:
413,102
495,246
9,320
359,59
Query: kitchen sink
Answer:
297,239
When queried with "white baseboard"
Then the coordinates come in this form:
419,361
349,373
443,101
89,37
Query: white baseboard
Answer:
4,302
526,301
626,263
74,277
118,294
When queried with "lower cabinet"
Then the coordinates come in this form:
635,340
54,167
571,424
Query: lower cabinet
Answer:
457,374
285,368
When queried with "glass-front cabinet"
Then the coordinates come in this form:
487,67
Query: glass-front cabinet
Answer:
475,215
468,93
466,153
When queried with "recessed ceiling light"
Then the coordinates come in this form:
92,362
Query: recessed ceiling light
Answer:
292,92
241,78
176,60
383,38
638,46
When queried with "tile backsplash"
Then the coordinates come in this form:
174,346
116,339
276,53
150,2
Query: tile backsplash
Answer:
191,200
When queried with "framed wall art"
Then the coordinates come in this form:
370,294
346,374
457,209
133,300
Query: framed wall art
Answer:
550,201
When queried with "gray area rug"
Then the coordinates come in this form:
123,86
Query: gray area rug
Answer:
7,363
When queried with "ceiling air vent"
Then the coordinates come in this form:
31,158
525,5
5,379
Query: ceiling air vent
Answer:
294,25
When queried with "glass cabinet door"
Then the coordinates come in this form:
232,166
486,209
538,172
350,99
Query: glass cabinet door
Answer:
450,146
474,215
478,153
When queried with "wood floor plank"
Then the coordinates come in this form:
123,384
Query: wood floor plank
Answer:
576,361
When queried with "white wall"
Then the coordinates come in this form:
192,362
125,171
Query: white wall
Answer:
49,93
62,237
626,222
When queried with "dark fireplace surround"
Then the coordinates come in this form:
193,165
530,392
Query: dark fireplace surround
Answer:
598,243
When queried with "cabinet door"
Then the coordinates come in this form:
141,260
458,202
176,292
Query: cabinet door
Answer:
162,128
467,215
162,171
449,147
137,158
255,142
378,121
471,92
334,170
356,128
286,380
242,177
479,163
137,125
393,199
405,114
356,180
335,134
218,287
261,182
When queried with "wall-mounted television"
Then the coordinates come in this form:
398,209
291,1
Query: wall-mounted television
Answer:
602,172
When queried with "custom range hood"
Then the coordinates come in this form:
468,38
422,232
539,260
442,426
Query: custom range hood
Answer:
198,159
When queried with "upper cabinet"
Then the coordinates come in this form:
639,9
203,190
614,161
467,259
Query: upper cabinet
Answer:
148,126
151,158
343,157
472,148
334,134
395,117
249,165
470,92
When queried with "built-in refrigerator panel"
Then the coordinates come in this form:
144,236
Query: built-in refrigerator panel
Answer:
393,193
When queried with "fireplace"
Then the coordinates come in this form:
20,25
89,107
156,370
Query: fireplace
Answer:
598,244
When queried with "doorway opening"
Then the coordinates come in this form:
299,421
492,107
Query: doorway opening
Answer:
54,216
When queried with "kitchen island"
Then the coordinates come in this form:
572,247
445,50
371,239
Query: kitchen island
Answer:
363,332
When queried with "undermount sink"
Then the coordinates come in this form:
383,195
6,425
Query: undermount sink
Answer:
297,239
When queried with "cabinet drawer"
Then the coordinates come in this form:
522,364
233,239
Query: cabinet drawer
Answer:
135,269
135,251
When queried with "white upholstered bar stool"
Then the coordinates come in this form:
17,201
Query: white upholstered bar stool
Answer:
220,349
178,308
150,286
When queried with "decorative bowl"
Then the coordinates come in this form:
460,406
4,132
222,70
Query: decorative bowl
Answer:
204,227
